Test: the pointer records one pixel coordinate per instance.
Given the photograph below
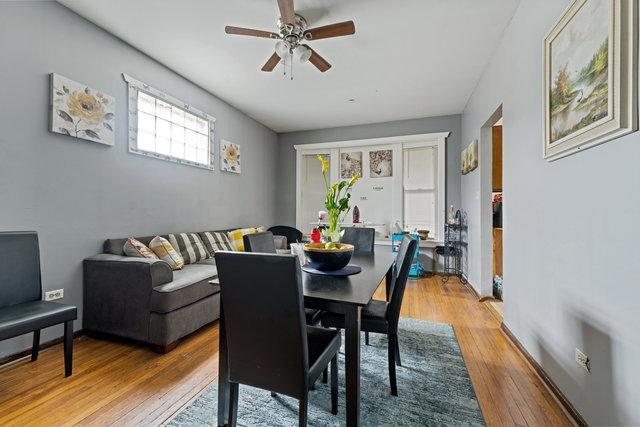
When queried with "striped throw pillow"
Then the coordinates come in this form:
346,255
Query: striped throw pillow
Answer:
216,241
163,249
235,236
190,247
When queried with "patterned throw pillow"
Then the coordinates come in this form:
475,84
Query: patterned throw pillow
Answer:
190,247
216,241
163,249
136,248
235,236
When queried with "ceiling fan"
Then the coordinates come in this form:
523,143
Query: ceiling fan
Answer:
291,37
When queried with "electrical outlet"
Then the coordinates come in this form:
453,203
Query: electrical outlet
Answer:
56,294
583,360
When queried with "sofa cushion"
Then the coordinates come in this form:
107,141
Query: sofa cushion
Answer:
166,252
136,248
190,247
216,241
236,237
116,246
189,285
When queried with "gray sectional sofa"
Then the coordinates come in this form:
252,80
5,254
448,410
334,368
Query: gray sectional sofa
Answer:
143,299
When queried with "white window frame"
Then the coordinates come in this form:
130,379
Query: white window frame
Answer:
135,86
399,143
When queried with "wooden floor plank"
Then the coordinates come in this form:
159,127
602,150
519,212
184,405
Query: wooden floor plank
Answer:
120,382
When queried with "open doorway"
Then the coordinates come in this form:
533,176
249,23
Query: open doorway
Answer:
491,209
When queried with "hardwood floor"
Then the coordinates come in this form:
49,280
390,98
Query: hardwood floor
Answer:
118,382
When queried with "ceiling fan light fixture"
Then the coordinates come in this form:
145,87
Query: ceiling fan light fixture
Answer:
303,53
282,49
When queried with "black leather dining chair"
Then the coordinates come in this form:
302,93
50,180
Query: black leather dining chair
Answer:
269,345
363,239
382,317
259,242
292,234
21,307
263,242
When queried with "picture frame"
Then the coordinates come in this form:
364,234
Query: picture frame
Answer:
230,157
590,74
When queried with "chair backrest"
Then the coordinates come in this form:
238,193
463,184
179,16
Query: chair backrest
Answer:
293,235
259,242
19,268
399,278
363,239
264,318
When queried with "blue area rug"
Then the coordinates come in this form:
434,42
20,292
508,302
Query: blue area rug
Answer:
433,388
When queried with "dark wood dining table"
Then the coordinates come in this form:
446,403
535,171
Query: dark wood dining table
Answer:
346,295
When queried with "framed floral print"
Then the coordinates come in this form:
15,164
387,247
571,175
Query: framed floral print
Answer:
229,156
81,112
590,76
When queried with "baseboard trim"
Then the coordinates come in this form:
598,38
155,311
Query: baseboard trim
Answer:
568,407
24,353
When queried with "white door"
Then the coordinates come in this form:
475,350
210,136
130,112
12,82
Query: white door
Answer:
312,190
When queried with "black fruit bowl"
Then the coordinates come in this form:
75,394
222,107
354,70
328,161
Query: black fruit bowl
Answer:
323,259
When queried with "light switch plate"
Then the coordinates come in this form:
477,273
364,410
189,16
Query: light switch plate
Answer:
53,295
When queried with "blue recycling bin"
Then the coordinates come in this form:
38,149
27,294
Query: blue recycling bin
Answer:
416,269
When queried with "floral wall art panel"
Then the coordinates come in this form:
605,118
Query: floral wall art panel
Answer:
80,111
350,165
229,157
380,163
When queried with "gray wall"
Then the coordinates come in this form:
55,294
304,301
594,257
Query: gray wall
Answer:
286,197
77,193
570,233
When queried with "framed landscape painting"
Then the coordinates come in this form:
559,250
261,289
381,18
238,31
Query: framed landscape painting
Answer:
590,76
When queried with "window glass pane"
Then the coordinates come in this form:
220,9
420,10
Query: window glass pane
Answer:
190,153
177,116
146,103
163,110
191,138
202,156
147,122
163,146
146,141
190,121
203,126
177,134
177,150
203,142
163,129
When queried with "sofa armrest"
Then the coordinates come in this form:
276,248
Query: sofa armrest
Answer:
280,241
117,293
160,271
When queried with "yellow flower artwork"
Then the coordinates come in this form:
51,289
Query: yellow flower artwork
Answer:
80,111
229,156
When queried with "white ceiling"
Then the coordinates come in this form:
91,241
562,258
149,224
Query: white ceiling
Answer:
408,58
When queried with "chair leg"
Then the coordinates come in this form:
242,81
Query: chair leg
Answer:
366,338
234,389
68,348
325,375
334,385
392,365
398,362
36,345
302,412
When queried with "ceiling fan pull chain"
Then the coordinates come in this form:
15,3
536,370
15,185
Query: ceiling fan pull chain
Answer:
291,66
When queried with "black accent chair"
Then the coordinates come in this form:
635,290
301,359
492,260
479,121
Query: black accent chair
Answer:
259,242
382,317
21,307
363,239
293,235
269,345
263,242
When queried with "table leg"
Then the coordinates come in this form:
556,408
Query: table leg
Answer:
223,374
352,364
387,281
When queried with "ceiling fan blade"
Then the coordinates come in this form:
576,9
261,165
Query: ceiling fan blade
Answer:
317,60
334,30
250,32
287,12
271,63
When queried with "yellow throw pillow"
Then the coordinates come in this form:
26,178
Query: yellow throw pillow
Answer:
136,248
163,249
235,236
